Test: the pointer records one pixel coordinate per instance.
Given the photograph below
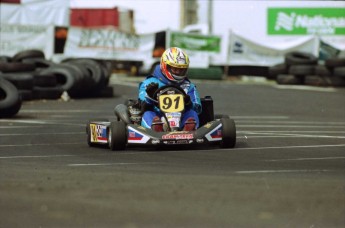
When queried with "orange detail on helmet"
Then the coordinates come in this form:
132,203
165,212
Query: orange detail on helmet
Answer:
174,64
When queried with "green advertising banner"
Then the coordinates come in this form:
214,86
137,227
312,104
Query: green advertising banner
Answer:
195,42
302,21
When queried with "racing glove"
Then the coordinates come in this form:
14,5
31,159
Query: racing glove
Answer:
187,101
151,89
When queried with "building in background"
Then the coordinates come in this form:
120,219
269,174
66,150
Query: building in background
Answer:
189,13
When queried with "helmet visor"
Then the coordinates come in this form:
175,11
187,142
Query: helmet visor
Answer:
179,72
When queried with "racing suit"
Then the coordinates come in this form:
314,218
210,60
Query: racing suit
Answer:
160,79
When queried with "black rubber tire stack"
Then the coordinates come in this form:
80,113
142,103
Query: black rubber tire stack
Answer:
34,77
300,68
10,100
294,69
21,69
332,72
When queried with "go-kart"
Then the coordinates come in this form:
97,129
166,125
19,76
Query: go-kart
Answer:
126,131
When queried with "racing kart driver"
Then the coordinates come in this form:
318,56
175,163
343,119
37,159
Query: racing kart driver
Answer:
172,70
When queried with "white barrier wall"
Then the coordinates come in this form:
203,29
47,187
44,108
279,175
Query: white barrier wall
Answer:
108,43
16,38
250,18
243,51
36,12
254,21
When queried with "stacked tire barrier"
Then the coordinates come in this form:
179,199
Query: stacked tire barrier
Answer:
300,68
28,75
10,100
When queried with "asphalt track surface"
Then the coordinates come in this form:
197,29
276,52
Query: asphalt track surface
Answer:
287,170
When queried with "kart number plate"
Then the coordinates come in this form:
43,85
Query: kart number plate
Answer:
171,103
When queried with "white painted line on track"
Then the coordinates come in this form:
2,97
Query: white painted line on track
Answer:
306,159
25,121
38,156
241,149
275,135
111,164
305,88
131,84
286,136
40,122
260,117
283,171
10,127
289,131
287,147
59,111
154,152
40,144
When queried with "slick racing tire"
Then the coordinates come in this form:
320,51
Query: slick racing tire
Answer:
117,136
64,77
302,70
5,59
28,54
228,132
39,62
275,70
94,69
50,93
10,100
45,80
88,132
322,70
22,81
339,71
220,116
13,67
26,95
289,79
300,58
335,62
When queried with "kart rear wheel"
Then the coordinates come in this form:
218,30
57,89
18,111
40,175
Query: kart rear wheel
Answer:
219,116
228,132
88,132
117,135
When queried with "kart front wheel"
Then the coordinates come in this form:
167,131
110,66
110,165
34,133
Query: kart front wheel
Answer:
228,132
117,135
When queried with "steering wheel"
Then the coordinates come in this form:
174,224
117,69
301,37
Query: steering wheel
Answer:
164,89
